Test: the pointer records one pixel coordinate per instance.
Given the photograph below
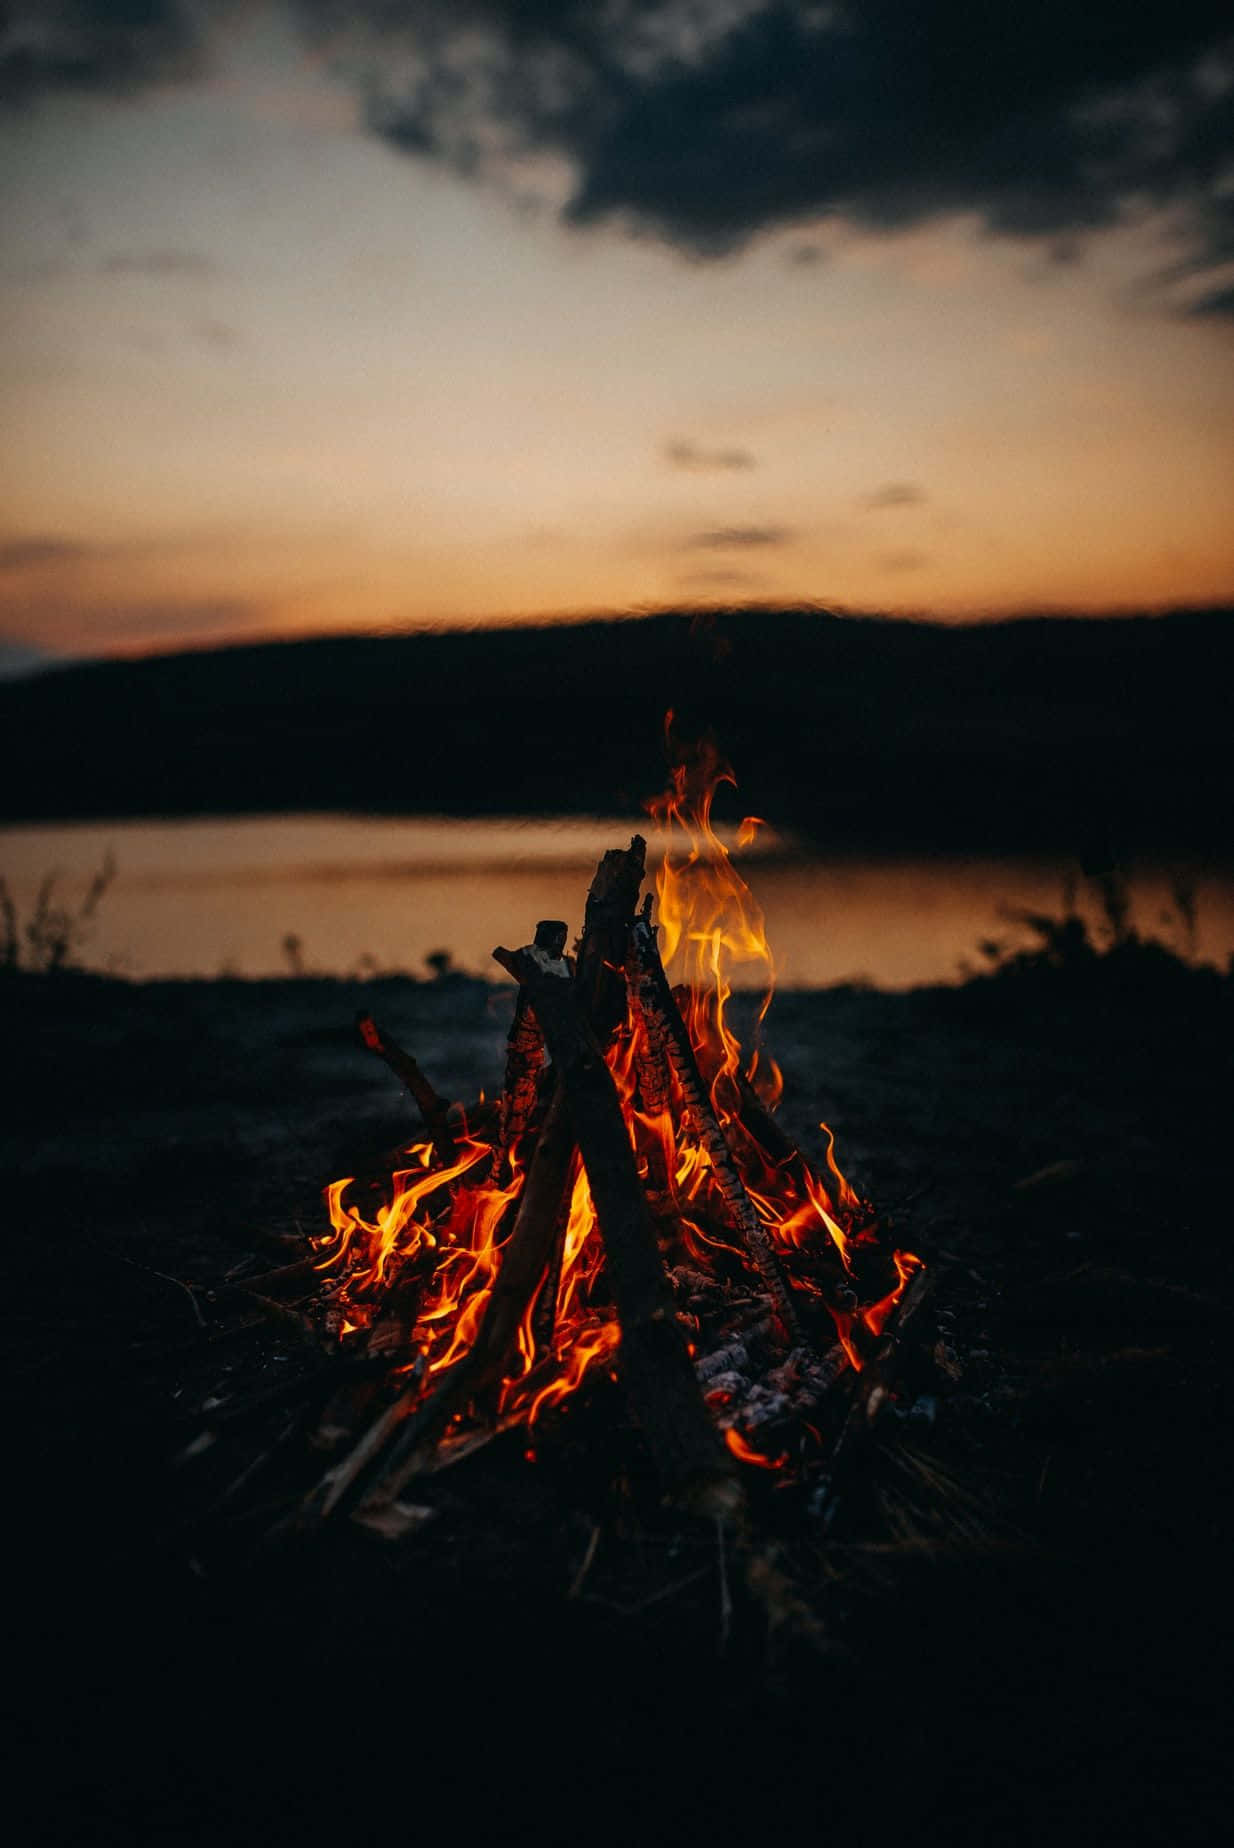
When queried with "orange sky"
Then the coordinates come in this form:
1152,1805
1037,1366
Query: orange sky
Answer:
262,374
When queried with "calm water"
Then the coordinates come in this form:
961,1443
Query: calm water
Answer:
210,897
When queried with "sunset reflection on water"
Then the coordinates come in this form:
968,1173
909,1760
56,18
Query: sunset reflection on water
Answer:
223,896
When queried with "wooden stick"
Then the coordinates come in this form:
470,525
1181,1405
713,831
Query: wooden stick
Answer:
872,1395
663,1018
655,1073
654,1363
545,1328
281,1313
525,1054
264,1283
342,1485
314,1387
434,1110
759,1123
606,934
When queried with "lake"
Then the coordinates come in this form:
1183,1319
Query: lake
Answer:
355,894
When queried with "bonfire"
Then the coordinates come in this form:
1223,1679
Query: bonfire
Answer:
628,1206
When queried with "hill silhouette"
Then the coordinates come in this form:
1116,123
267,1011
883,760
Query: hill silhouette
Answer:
865,733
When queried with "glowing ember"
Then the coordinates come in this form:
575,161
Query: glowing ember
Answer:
418,1269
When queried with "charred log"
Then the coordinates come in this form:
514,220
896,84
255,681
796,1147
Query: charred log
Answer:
525,1055
611,904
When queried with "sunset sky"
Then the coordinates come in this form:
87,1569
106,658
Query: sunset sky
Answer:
324,317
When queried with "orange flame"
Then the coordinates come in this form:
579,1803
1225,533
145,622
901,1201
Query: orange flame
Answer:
746,1453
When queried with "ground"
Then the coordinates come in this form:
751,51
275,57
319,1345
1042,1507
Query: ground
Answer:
1020,1626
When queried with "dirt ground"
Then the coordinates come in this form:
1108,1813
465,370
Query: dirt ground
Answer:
1019,1633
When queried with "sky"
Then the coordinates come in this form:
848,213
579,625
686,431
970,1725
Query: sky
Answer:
326,317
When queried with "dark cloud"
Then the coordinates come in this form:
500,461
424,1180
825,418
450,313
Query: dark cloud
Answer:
1215,302
109,47
740,538
894,494
706,125
188,263
687,455
34,553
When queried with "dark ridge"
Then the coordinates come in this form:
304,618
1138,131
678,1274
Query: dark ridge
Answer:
1096,734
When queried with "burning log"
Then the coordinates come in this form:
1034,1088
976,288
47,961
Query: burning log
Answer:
655,1083
434,1110
655,1366
550,1295
611,904
525,1054
670,1036
523,1265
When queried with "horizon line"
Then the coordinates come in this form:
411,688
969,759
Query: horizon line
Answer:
31,662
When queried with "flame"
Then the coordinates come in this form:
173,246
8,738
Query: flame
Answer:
746,1453
423,1253
710,922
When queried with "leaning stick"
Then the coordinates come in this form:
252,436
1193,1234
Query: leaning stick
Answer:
668,1033
654,1363
525,1054
434,1110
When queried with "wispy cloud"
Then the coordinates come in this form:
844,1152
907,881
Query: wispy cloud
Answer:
682,453
740,538
720,580
159,262
903,561
41,550
894,494
220,334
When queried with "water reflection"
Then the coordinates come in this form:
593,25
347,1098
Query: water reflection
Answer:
357,894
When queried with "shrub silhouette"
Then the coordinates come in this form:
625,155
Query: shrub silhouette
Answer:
51,939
